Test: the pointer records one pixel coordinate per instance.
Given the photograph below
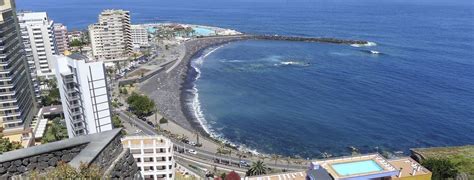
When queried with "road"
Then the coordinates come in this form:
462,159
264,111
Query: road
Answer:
202,156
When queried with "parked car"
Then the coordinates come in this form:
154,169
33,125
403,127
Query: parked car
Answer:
150,123
192,151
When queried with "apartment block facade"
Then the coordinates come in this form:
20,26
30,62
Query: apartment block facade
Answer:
37,32
17,101
61,38
139,35
84,95
153,154
110,37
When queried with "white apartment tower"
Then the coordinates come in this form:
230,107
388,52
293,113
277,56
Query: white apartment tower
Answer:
17,101
37,32
153,154
111,37
61,37
139,35
84,95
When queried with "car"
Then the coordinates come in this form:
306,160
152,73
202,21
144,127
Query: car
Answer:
192,151
150,123
192,143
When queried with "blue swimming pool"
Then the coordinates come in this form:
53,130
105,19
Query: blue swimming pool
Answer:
359,167
203,31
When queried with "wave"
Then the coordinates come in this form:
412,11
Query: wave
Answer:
293,63
231,61
195,105
368,44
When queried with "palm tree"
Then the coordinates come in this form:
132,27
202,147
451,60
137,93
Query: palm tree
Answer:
257,168
275,157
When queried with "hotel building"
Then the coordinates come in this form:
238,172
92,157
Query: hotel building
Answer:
37,32
61,38
17,101
110,37
153,154
84,95
139,35
369,166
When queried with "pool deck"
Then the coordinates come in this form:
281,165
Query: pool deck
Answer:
387,168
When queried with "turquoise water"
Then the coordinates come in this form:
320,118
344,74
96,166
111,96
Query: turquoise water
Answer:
199,31
347,169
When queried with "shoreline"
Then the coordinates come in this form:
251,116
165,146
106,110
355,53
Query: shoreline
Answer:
171,92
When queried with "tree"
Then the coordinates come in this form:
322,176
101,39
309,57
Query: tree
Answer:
141,105
76,43
257,168
116,122
441,168
232,176
7,145
55,132
163,120
275,157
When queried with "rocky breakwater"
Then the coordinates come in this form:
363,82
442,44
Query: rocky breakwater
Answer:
311,39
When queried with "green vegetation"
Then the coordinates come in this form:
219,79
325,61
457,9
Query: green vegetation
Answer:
460,156
441,168
257,168
116,122
6,145
163,120
76,43
141,105
55,132
65,171
51,96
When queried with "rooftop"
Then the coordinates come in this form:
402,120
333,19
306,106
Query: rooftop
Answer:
408,167
367,166
286,175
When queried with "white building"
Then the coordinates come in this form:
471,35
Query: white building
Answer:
111,37
139,35
61,37
84,94
37,33
153,154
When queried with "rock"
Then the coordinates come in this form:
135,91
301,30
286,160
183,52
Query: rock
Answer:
21,169
42,165
17,163
53,161
34,159
76,149
66,158
58,153
12,169
31,166
130,161
3,170
43,158
6,164
25,162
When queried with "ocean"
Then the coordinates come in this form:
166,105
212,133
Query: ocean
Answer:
297,98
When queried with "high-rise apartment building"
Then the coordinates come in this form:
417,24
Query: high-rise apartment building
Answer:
139,35
84,96
61,37
17,101
111,37
153,154
37,32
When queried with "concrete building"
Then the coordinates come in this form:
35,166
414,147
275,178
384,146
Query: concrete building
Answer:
153,154
139,35
17,101
74,35
369,166
61,37
84,94
37,32
110,37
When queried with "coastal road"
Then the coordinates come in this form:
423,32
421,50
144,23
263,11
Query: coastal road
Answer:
203,157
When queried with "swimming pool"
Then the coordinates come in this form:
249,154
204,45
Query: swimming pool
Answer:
203,31
358,167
